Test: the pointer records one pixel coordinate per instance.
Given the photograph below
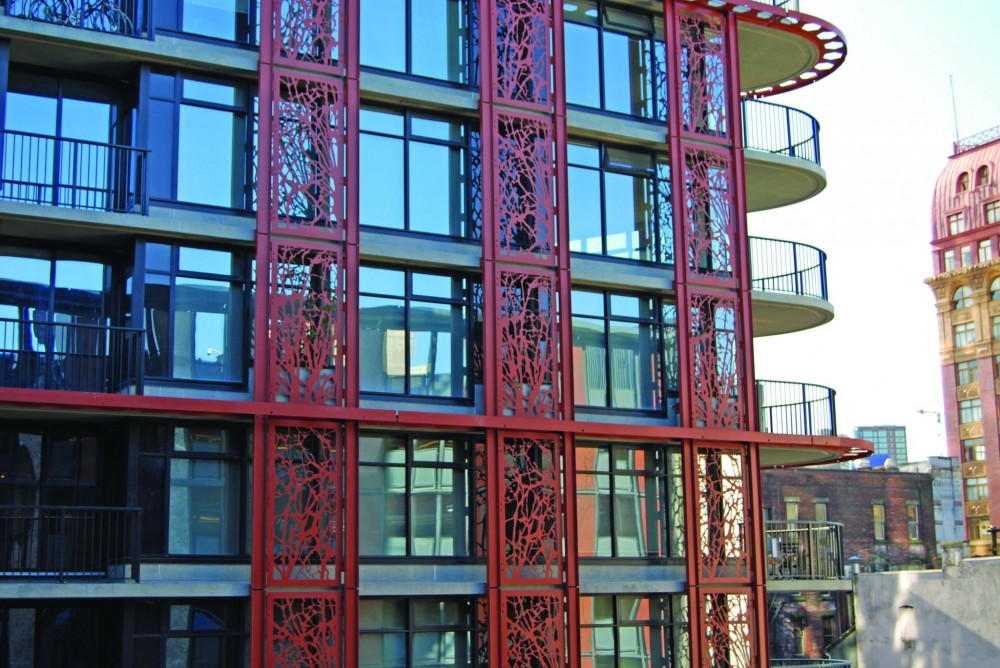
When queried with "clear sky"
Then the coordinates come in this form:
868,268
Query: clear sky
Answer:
887,128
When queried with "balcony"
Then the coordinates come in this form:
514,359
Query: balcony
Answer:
789,284
69,543
46,355
804,550
796,408
44,169
810,663
783,158
118,17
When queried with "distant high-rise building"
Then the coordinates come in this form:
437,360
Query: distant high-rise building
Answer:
888,440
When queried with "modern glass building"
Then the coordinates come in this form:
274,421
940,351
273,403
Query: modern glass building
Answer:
887,440
399,333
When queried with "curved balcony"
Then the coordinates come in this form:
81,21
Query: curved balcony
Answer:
788,280
119,17
796,408
782,157
810,663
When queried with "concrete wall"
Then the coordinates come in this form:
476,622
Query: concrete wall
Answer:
956,613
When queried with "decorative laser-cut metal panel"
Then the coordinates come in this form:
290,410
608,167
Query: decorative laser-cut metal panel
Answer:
304,504
303,630
526,326
482,500
665,213
716,362
722,514
475,184
522,33
729,627
306,329
531,509
709,205
482,657
534,630
523,169
703,73
308,32
307,139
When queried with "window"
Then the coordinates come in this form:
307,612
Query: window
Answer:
956,223
982,176
979,528
966,253
200,632
418,173
613,62
821,511
878,517
963,182
412,632
962,297
619,204
792,511
970,410
425,38
629,501
976,489
985,250
193,489
415,333
228,20
417,495
624,351
949,260
996,326
626,630
992,212
913,521
995,290
996,366
965,334
973,450
967,372
202,145
194,301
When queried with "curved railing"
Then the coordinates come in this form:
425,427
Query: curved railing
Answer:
787,267
811,663
778,129
796,408
120,17
804,550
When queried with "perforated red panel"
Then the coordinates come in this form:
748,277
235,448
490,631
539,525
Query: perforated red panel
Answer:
531,509
703,73
523,203
522,51
304,505
716,364
534,631
722,514
303,630
307,142
306,322
528,362
308,32
710,213
728,631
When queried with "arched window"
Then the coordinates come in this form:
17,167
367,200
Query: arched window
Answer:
995,289
982,176
963,296
963,182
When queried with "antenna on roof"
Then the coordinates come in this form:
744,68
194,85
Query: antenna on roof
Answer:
954,108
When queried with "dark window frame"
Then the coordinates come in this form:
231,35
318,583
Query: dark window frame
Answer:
667,613
471,630
236,610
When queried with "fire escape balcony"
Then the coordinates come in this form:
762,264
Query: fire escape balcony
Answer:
788,280
804,550
55,171
796,408
48,355
118,17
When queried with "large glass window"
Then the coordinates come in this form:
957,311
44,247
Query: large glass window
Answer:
415,333
976,489
956,223
967,372
985,250
965,333
194,305
629,501
201,632
406,633
425,38
948,258
992,210
970,410
626,631
624,351
416,173
192,486
418,495
202,141
619,203
613,61
973,449
962,297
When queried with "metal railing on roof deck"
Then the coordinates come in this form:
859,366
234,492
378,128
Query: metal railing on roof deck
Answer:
978,139
790,5
804,550
810,663
45,169
119,17
778,129
787,267
796,408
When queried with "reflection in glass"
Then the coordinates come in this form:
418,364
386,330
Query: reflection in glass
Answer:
428,38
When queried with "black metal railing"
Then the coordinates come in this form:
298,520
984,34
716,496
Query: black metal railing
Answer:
46,355
69,542
787,267
43,169
804,550
810,663
120,17
796,408
776,128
